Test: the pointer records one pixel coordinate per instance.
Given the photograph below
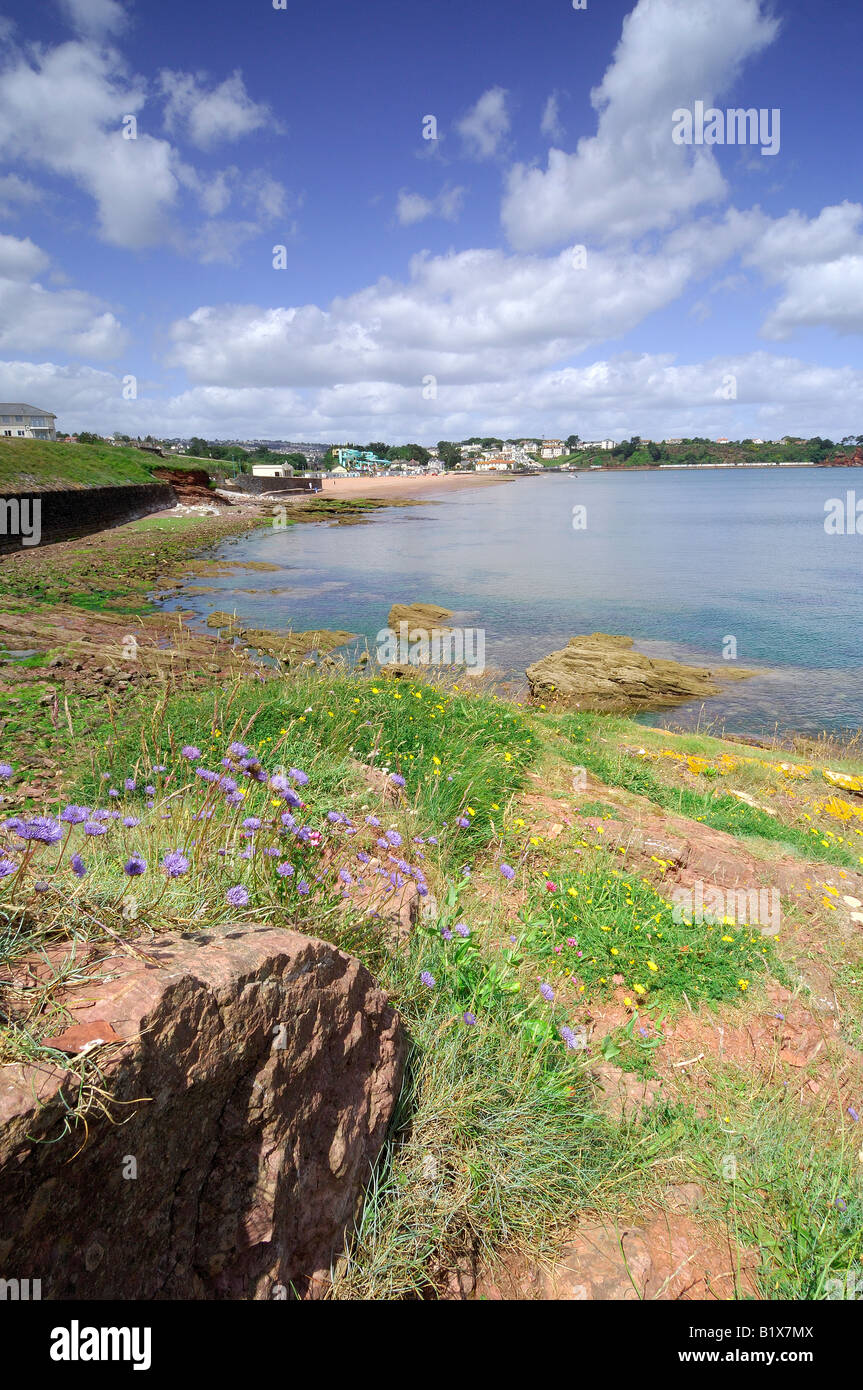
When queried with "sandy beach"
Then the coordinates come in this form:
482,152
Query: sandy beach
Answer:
410,487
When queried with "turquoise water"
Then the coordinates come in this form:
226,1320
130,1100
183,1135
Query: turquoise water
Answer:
678,561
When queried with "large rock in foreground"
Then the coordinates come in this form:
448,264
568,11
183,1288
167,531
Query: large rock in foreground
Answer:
603,672
260,1069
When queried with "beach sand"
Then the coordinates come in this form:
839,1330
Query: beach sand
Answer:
409,487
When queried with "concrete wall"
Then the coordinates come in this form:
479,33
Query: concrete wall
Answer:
59,515
245,483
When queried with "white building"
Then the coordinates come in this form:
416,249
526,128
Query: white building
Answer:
26,421
596,444
271,470
552,449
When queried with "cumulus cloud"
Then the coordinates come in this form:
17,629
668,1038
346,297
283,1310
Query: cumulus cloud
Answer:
630,176
63,109
472,315
208,116
95,19
413,207
609,396
485,125
33,319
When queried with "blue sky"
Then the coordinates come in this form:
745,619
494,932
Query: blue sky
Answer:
431,288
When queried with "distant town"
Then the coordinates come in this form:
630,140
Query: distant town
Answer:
284,458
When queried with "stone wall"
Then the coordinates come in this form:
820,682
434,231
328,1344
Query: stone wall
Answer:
58,515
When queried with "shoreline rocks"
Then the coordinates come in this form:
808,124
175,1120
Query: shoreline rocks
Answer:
603,671
249,1096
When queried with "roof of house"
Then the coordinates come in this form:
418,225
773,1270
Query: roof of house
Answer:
16,408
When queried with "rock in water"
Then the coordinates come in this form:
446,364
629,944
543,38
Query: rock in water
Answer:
253,1093
418,615
604,672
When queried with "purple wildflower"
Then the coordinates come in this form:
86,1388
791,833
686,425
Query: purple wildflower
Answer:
252,823
7,867
853,1113
507,871
190,752
463,929
150,791
206,775
547,993
239,750
446,934
237,897
131,821
130,784
175,863
94,828
42,828
463,822
5,771
303,888
470,1019
74,815
397,779
284,870
79,868
279,783
428,980
372,820
135,865
299,776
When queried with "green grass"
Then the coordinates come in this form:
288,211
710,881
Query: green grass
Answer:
497,1145
712,807
26,464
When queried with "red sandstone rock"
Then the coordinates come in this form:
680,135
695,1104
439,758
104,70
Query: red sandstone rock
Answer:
255,1083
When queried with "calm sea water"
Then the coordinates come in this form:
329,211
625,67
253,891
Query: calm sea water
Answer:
678,561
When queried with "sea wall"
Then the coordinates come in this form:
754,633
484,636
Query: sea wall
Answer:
33,518
246,483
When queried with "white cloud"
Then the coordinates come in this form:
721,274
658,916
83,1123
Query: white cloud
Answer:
485,125
63,109
33,319
21,259
468,316
550,124
207,117
95,18
630,176
413,207
16,193
617,396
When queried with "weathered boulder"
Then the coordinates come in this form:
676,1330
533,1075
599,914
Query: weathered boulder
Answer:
604,672
245,1106
418,615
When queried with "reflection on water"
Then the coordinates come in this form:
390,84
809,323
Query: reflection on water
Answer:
680,562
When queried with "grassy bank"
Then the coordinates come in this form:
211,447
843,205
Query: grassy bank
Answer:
28,464
547,966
